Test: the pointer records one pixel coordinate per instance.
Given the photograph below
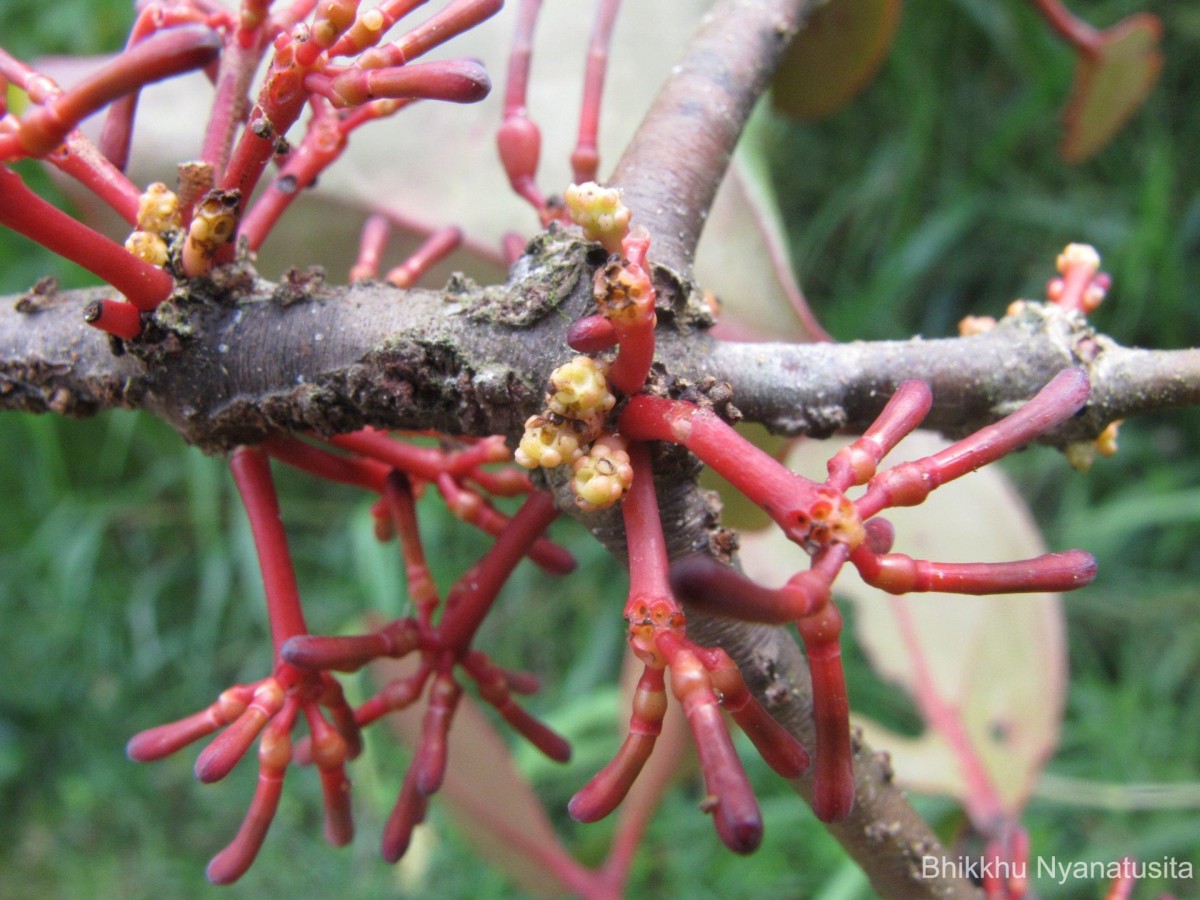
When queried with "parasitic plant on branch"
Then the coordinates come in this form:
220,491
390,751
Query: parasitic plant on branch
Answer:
590,384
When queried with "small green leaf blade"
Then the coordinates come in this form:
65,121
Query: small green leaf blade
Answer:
835,56
1110,84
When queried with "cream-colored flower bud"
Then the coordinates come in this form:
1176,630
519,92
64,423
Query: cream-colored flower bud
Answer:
158,209
603,474
1076,256
148,247
599,212
579,390
549,441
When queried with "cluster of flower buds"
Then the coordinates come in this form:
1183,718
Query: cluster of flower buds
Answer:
158,218
1080,285
571,430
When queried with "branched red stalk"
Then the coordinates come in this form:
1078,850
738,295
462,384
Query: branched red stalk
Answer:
473,594
698,676
117,132
25,212
235,76
371,25
83,161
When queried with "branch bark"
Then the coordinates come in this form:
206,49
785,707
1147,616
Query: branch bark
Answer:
696,119
231,362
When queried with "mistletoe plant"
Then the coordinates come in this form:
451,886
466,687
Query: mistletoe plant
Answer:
587,384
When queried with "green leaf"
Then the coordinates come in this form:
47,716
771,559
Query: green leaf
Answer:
1112,79
835,56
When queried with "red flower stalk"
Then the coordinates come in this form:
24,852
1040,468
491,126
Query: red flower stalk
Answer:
375,233
117,132
834,529
585,159
657,637
447,471
518,139
144,285
370,25
324,142
267,709
433,250
452,80
83,161
442,647
57,113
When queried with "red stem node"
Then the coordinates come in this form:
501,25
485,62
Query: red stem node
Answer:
856,464
900,574
455,81
227,749
408,812
833,773
808,513
608,787
395,695
777,746
433,749
328,750
156,743
731,799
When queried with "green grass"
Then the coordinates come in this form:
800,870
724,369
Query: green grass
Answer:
129,596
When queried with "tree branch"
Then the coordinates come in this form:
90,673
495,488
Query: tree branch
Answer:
670,171
235,360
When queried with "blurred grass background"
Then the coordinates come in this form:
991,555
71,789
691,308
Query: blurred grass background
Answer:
129,594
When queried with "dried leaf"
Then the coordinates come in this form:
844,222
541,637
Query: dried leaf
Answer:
842,46
987,673
1111,82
